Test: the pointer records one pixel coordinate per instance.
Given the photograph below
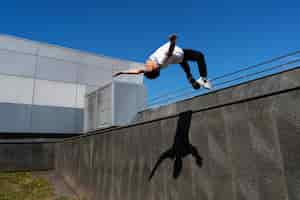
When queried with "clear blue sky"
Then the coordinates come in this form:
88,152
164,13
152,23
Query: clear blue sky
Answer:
231,33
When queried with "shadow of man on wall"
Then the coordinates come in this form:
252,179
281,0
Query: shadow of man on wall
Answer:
181,147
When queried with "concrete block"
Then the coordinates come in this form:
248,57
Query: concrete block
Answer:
240,92
203,101
225,96
290,79
263,86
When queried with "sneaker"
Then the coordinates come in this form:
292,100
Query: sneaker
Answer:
205,83
194,83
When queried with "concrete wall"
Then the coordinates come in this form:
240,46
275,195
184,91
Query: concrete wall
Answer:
45,82
250,150
28,156
265,85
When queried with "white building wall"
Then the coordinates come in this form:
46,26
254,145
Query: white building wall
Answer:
14,63
51,93
15,89
48,79
56,70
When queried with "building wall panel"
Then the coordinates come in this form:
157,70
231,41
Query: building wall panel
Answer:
60,53
17,44
92,75
16,89
49,119
17,63
14,117
57,70
52,93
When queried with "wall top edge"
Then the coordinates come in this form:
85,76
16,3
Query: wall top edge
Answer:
82,52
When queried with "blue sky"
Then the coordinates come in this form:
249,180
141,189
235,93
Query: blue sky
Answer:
232,34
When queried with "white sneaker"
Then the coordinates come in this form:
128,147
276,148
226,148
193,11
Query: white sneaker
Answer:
205,83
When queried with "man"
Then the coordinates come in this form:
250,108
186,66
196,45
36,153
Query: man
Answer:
168,54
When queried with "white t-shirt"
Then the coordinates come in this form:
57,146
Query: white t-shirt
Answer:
161,58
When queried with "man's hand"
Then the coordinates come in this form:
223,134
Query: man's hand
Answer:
117,74
130,71
173,38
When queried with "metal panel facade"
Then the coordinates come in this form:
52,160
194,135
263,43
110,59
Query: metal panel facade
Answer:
57,70
32,73
17,63
55,93
92,75
17,44
129,99
15,117
16,89
56,119
115,104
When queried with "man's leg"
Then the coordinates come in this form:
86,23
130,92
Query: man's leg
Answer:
192,55
185,66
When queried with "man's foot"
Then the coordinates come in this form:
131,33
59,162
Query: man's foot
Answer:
204,82
194,83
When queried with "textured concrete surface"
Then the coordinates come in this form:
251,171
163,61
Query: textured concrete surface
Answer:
265,85
26,156
249,149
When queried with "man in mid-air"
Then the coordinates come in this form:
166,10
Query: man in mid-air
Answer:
168,54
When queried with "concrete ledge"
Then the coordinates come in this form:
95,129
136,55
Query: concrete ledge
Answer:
280,81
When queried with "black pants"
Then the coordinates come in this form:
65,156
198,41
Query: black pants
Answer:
192,55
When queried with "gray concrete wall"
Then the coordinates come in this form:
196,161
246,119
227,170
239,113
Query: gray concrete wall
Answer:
264,85
28,156
250,150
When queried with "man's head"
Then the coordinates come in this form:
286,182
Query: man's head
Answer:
152,74
151,70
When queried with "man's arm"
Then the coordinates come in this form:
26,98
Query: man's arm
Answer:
130,71
172,39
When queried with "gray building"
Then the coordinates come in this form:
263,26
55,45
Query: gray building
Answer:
42,87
